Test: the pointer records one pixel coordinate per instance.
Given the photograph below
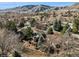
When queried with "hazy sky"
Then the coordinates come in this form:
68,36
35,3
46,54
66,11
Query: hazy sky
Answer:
4,5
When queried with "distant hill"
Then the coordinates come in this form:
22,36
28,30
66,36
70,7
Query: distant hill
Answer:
39,8
27,9
76,4
31,9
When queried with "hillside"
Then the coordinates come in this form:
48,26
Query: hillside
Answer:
39,30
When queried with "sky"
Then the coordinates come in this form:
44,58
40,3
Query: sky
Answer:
5,5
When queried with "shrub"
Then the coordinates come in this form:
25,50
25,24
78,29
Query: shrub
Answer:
27,32
51,50
65,28
1,25
50,30
21,24
58,45
16,54
33,22
43,34
50,23
11,25
75,27
54,14
8,42
57,25
40,39
74,30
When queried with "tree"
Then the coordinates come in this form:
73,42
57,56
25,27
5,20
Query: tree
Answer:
57,25
8,42
65,28
75,27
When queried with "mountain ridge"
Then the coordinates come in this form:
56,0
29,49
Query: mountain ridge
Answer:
38,8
